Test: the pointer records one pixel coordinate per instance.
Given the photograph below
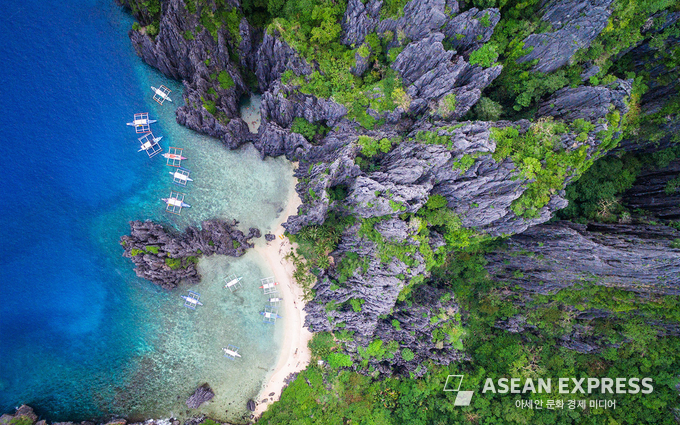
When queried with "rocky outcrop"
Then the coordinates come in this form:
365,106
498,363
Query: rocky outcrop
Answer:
471,29
366,303
282,104
638,259
548,258
273,57
421,17
23,413
586,102
574,26
360,19
203,394
430,72
656,191
186,51
166,259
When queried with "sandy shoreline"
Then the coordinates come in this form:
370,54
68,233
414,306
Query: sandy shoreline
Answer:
295,354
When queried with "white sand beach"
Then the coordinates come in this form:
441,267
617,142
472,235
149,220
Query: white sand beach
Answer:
294,355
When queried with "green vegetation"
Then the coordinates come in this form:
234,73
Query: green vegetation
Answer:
21,420
152,249
536,154
225,80
173,263
485,56
313,29
392,9
447,105
209,105
597,194
495,353
307,129
315,243
370,147
407,354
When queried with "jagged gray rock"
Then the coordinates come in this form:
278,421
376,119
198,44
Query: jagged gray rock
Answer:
149,245
281,104
273,57
186,59
575,25
471,29
359,20
654,193
203,394
551,257
587,102
421,17
430,72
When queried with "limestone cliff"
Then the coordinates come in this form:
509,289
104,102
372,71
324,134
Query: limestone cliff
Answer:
432,149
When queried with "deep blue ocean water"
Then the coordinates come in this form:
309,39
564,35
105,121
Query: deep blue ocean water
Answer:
77,328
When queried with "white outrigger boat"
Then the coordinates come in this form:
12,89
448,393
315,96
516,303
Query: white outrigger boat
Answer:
268,285
141,122
231,352
233,281
191,300
270,315
161,94
148,144
181,177
175,202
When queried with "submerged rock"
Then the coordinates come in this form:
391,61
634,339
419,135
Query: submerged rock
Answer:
203,394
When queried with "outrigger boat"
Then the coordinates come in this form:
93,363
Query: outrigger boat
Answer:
275,300
144,121
175,202
148,145
233,282
163,94
191,300
173,156
269,285
177,175
230,352
270,315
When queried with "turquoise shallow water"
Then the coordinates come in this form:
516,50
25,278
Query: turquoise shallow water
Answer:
82,336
